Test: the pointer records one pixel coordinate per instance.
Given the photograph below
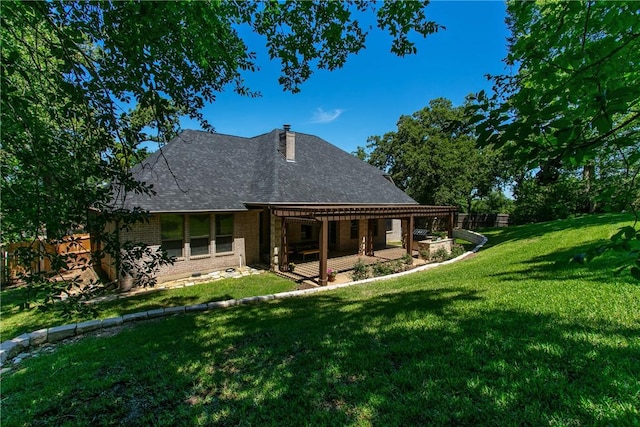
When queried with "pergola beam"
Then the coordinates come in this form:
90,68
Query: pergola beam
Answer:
350,212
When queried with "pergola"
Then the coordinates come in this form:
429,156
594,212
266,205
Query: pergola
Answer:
322,214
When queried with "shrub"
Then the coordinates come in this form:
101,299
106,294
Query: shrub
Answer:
383,268
440,255
439,234
456,251
424,254
360,270
407,259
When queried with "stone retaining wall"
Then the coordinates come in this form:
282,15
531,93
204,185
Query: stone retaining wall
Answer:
469,236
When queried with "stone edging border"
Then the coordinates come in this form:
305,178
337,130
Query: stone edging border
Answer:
20,344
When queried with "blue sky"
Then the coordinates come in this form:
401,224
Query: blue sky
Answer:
369,94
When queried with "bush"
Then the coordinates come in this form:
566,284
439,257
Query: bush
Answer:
407,259
440,255
439,234
456,251
384,268
360,270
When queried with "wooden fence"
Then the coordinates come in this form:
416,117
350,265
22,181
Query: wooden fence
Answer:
476,221
78,246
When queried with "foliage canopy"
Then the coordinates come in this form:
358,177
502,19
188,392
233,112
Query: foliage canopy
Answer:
575,98
84,83
433,156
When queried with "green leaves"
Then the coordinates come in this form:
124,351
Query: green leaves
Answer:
304,34
627,242
576,84
84,83
432,156
573,103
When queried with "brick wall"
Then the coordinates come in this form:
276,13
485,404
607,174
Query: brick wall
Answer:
395,234
346,243
245,249
247,228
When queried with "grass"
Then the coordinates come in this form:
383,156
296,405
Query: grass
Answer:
15,322
513,336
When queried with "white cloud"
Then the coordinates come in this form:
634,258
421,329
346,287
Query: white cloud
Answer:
321,116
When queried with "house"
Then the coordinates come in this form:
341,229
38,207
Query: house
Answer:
223,201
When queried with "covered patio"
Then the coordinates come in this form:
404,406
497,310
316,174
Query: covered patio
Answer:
309,271
367,214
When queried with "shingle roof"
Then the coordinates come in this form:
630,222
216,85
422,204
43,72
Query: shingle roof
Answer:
203,171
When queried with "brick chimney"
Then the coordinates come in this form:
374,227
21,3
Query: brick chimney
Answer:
287,144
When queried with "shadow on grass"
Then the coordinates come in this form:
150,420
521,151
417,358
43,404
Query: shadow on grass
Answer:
154,300
429,357
503,235
558,266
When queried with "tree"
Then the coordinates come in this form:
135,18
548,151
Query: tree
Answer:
575,98
495,202
537,203
83,83
433,157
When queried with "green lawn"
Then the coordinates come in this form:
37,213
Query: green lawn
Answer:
15,322
513,336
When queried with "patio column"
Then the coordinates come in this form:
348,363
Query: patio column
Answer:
275,241
409,238
450,224
284,247
370,236
362,237
324,250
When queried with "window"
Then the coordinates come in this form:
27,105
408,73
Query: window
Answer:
354,228
305,231
224,233
172,234
199,227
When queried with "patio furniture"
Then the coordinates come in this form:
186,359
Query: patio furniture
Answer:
306,252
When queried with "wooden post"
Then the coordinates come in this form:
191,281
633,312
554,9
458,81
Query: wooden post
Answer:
409,238
362,237
450,225
370,227
324,251
284,248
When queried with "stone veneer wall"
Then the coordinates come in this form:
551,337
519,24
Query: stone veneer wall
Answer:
275,239
432,246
